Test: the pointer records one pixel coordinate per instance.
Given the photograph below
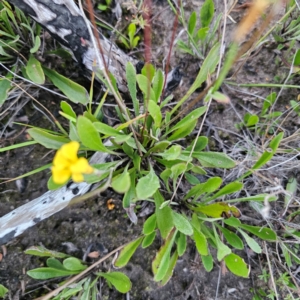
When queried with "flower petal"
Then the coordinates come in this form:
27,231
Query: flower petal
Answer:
77,177
81,166
59,160
69,151
60,176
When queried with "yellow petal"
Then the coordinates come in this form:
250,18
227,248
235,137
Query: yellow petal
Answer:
77,177
60,161
60,176
69,151
81,166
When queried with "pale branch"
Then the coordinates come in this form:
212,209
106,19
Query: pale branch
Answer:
65,22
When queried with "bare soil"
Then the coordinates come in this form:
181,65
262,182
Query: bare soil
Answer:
75,229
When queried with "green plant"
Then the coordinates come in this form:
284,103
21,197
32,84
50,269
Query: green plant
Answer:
104,6
200,39
86,287
284,284
132,40
267,121
152,156
155,149
17,32
3,291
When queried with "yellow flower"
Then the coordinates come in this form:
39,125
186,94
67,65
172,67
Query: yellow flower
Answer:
67,164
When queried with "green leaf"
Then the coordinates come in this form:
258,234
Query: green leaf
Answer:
169,273
34,70
89,135
237,265
223,249
207,12
209,186
202,33
183,131
131,29
189,119
37,44
47,273
214,159
201,143
260,198
164,216
165,204
44,252
161,261
130,195
177,170
182,224
5,86
181,244
172,153
121,182
251,242
276,141
296,60
102,7
267,155
148,239
48,140
192,23
184,47
228,189
200,241
55,264
75,92
127,252
148,70
131,83
291,189
158,84
217,210
208,262
232,238
149,225
262,232
124,41
270,99
145,86
119,280
198,170
3,291
234,222
67,109
160,146
147,185
73,264
252,120
155,113
191,179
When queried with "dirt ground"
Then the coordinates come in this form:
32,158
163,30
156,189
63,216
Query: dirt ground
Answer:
75,229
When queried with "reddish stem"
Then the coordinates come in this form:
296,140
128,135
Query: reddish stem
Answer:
95,31
175,24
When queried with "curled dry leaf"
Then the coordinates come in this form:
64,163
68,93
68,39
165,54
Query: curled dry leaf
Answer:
110,204
94,254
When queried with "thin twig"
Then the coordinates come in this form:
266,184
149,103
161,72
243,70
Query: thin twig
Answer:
270,269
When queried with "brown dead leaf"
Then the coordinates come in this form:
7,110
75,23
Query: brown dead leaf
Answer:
94,254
